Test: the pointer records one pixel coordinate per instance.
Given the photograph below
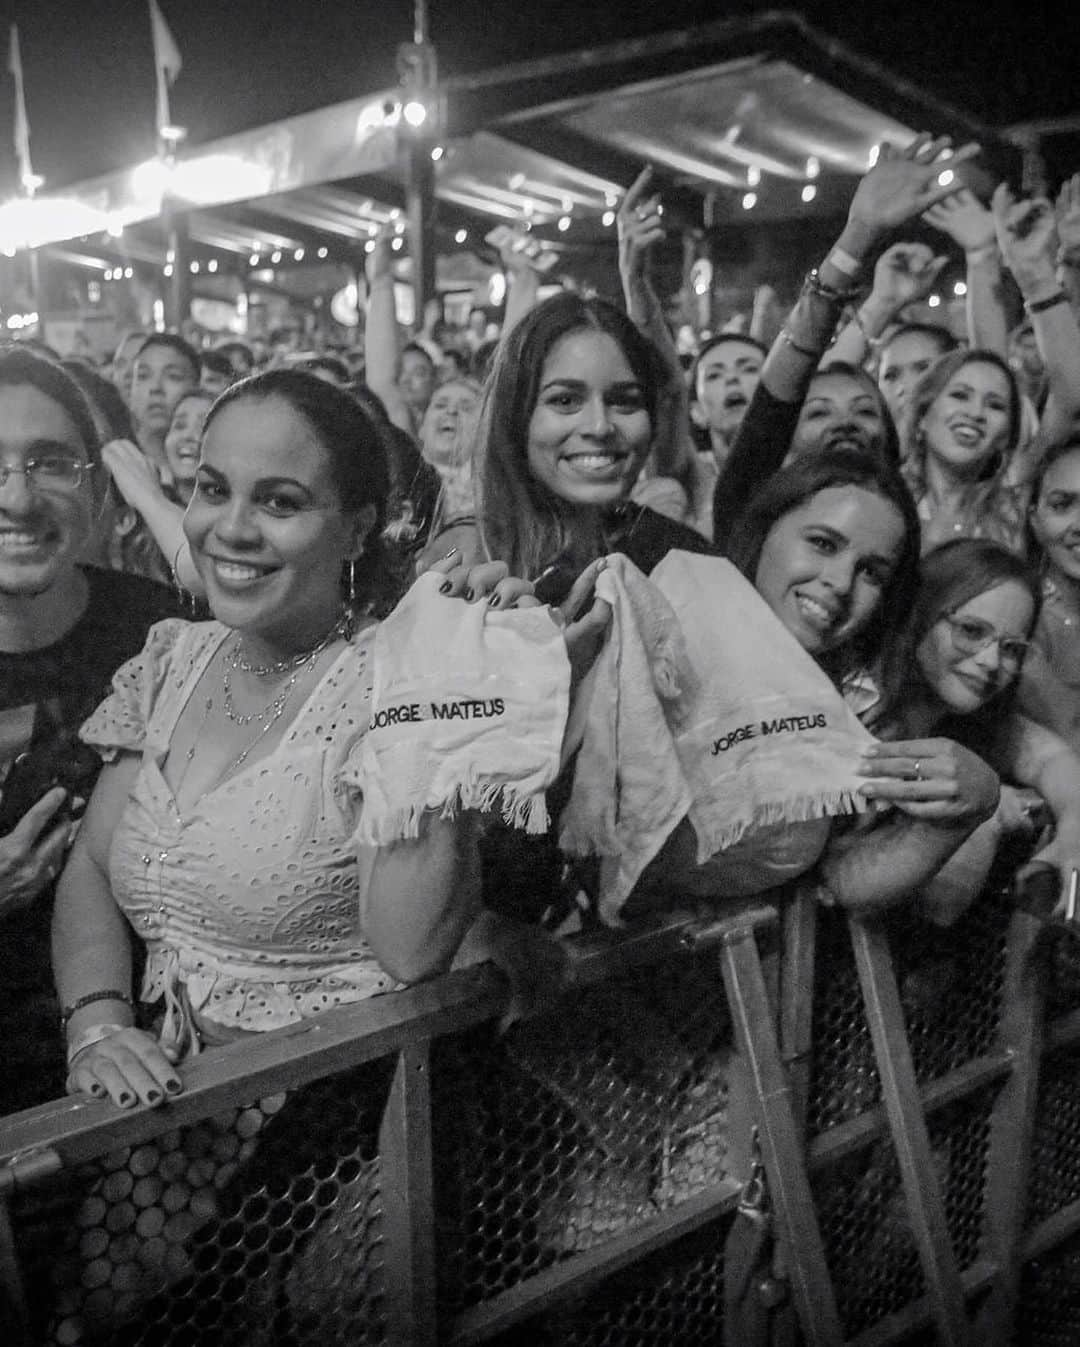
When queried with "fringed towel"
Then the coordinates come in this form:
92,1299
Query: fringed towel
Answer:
765,739
469,708
629,788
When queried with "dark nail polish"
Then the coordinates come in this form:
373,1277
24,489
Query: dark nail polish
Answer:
445,587
123,1099
153,1096
173,1086
469,596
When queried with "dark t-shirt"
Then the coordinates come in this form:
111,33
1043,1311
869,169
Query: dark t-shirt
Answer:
45,695
522,875
760,448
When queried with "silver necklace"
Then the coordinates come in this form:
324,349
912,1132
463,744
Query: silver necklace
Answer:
272,711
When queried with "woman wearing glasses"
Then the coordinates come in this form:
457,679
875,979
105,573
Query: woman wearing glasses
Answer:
974,614
65,629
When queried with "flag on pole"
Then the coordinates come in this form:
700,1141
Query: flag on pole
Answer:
22,125
167,63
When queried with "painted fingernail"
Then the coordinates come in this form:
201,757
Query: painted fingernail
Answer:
451,553
469,596
445,587
153,1096
495,600
173,1085
124,1099
96,1089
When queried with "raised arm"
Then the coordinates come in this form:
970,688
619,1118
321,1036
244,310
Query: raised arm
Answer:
1028,241
969,224
640,227
138,482
92,954
903,274
1067,209
382,341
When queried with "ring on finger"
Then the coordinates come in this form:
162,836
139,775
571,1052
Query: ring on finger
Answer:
918,769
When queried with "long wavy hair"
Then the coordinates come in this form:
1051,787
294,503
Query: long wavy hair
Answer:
793,486
521,521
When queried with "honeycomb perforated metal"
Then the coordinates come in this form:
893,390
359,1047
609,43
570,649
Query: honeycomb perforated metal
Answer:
1050,1299
675,1297
579,1126
951,982
1055,1160
258,1225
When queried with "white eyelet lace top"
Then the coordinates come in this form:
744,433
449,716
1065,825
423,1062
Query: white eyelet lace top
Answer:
249,904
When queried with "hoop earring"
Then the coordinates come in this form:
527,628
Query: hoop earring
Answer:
184,596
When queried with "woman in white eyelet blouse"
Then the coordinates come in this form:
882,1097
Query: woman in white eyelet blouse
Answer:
221,829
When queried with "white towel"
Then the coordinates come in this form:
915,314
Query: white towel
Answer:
469,708
765,739
629,788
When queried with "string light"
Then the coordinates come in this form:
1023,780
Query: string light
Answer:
108,273
461,236
414,112
129,272
813,166
436,153
564,223
872,158
934,301
194,268
275,256
611,200
960,289
946,178
753,175
607,219
369,246
253,260
298,256
212,264
809,192
167,269
323,253
397,243
749,201
517,182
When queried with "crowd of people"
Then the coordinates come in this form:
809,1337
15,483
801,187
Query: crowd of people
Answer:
201,554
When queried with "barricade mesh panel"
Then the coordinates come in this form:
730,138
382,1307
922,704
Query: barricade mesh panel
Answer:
578,1126
260,1225
864,1219
951,982
674,1297
1055,1158
1049,1314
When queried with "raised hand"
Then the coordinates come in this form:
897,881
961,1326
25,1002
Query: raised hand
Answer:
639,224
1068,214
904,274
32,854
964,218
905,183
378,260
135,476
1027,237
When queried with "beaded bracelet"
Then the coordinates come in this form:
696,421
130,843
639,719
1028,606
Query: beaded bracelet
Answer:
1050,302
816,286
108,994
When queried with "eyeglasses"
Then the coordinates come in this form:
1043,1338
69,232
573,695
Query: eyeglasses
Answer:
971,637
54,473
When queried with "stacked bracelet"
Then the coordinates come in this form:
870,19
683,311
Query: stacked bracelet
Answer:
843,261
94,1034
814,285
108,994
1050,302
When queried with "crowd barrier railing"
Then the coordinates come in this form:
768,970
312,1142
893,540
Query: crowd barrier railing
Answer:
778,1125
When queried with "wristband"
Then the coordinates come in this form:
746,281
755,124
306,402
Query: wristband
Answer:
816,286
843,261
96,1033
1050,302
108,994
788,339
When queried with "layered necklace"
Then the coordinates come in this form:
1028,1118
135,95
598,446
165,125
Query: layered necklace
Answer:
296,666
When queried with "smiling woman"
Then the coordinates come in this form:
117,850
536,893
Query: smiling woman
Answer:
568,419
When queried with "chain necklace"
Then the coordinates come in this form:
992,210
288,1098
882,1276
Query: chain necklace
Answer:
272,711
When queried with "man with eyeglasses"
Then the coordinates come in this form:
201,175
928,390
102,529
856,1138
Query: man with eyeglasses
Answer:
64,630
